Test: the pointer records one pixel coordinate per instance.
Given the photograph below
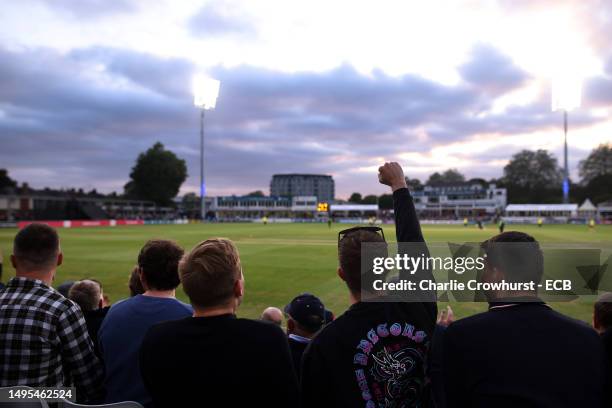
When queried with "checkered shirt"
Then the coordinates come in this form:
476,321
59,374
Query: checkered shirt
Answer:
44,341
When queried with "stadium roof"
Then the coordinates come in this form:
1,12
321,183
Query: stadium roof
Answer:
605,206
542,207
587,206
301,175
354,207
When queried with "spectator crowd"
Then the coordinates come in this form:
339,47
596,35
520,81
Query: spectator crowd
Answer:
160,352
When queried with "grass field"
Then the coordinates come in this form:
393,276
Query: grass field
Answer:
279,260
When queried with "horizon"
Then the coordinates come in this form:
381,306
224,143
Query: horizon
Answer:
88,85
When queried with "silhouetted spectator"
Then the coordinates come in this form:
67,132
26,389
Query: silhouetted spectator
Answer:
305,317
519,352
272,315
435,368
88,295
134,283
602,322
214,357
126,323
43,336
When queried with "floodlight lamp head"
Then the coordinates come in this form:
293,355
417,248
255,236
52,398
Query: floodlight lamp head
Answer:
205,91
566,92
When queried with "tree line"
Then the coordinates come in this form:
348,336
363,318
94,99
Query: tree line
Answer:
529,176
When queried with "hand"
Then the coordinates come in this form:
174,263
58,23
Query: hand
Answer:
392,175
446,317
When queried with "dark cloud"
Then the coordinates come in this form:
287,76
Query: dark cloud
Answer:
80,119
218,18
598,90
492,71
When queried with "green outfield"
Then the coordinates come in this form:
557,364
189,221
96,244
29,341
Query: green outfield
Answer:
279,260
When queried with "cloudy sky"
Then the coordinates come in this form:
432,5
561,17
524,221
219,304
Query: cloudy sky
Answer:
321,86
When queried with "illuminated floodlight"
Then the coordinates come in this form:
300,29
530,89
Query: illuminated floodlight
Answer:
566,95
205,91
566,92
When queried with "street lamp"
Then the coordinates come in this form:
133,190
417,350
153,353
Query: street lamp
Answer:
205,92
566,90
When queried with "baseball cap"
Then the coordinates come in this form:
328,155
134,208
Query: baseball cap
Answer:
307,310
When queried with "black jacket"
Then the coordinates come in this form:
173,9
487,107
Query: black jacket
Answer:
522,355
218,361
375,353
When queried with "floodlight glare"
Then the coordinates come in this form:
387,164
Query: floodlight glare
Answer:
205,91
566,92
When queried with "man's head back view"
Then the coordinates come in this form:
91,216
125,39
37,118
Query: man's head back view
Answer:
127,322
349,256
134,283
36,252
158,262
87,294
272,315
254,354
514,257
212,277
306,315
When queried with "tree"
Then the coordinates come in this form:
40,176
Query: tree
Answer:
355,198
385,202
257,193
369,199
598,163
449,176
414,184
599,188
6,181
533,170
156,176
478,180
191,204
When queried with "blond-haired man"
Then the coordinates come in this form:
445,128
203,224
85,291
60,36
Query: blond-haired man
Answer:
215,358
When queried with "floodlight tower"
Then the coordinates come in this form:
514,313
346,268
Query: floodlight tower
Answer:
205,92
566,90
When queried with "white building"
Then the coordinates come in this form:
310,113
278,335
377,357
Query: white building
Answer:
458,200
529,213
249,208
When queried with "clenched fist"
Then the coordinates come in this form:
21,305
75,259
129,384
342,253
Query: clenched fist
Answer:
392,175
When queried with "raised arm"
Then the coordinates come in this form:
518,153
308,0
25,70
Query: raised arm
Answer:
407,226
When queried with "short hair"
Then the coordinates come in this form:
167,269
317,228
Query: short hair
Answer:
210,271
349,256
602,311
134,284
86,293
158,260
517,254
36,247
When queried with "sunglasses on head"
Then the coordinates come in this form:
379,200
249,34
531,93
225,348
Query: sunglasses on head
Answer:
342,234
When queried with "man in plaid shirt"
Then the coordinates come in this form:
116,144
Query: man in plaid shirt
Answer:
43,336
